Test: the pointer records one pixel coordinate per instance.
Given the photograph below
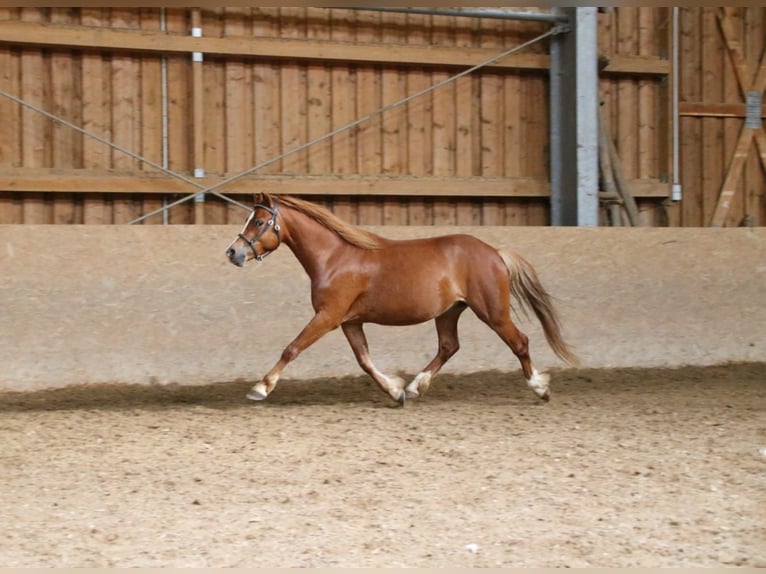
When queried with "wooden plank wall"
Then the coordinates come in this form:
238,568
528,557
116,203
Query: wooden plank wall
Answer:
489,130
636,107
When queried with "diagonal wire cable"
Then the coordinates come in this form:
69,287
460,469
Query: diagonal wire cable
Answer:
391,106
118,147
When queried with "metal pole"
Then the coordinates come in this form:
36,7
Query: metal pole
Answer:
574,121
556,117
496,13
586,38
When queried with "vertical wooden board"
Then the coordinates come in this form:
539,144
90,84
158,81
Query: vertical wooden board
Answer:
67,144
394,211
492,108
713,162
467,103
607,34
393,123
11,207
345,207
467,212
512,141
393,89
419,120
293,94
538,212
663,103
516,211
180,117
627,93
10,111
36,129
444,122
419,109
344,110
95,114
369,99
215,114
648,40
343,84
319,96
369,211
150,92
229,131
368,135
266,94
512,128
731,127
125,114
690,128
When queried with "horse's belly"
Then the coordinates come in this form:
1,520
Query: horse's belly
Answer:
405,304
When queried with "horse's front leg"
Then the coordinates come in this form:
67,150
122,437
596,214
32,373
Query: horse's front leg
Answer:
320,324
393,386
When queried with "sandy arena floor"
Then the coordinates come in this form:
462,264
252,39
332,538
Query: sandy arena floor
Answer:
642,467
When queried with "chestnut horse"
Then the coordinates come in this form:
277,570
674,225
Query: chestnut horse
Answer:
359,277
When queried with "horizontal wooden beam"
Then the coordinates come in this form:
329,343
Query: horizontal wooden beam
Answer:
81,37
719,110
88,181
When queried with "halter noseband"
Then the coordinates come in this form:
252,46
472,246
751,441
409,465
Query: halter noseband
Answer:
271,223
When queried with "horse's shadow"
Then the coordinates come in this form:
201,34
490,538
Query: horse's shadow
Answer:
488,386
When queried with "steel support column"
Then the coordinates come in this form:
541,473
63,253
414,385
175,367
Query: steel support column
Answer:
574,120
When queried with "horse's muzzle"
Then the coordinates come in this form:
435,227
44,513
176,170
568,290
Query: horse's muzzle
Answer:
237,256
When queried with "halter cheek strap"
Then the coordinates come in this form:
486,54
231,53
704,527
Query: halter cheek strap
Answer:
270,224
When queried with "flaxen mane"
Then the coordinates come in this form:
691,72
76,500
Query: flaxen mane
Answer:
353,235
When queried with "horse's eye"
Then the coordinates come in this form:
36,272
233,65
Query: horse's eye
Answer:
259,222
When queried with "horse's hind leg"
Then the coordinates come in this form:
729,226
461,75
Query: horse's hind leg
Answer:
519,344
496,312
393,386
446,330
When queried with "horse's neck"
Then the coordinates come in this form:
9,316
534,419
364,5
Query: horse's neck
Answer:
311,242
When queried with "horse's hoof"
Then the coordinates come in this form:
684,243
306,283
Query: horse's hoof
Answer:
411,394
546,396
257,393
401,398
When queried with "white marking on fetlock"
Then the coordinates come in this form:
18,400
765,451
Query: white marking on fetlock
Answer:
419,385
395,387
258,392
539,384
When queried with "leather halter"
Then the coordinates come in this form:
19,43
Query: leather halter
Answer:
270,224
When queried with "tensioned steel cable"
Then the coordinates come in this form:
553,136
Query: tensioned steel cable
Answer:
119,148
211,189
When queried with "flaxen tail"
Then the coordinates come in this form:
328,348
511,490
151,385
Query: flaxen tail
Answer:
530,293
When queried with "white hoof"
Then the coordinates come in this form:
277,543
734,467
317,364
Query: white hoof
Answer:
258,392
419,385
539,384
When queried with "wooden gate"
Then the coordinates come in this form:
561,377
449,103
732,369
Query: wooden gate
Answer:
723,150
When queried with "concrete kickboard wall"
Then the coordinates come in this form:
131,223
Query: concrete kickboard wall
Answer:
152,304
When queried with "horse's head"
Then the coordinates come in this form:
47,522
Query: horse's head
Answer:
260,235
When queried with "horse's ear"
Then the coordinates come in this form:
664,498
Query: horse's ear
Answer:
263,199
